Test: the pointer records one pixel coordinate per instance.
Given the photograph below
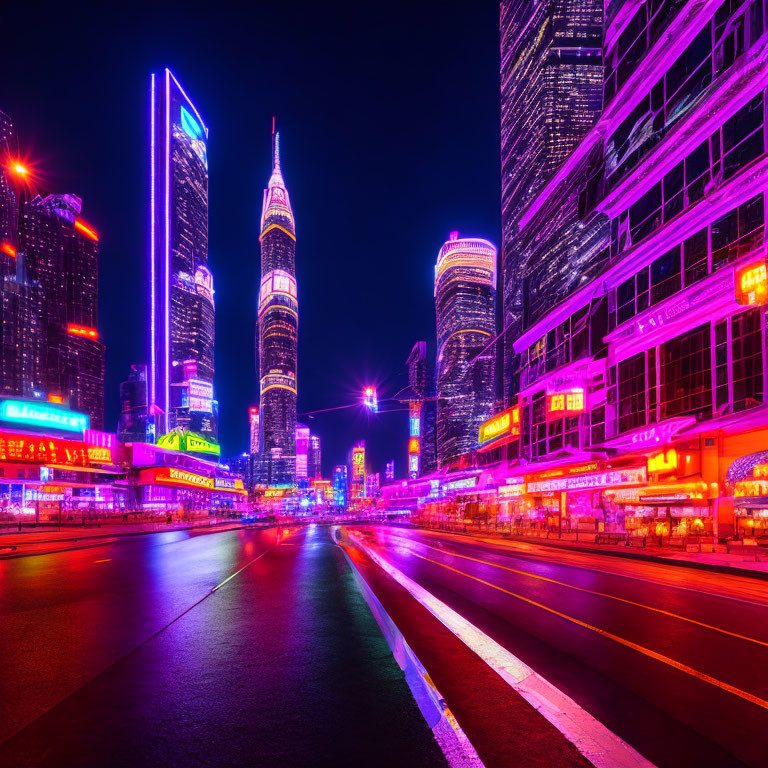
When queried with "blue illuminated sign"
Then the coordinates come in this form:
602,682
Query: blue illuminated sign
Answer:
43,415
190,125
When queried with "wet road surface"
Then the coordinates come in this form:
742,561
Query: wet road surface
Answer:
178,649
673,660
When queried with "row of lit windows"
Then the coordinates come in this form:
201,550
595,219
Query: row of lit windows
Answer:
733,29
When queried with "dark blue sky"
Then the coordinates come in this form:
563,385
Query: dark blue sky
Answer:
389,126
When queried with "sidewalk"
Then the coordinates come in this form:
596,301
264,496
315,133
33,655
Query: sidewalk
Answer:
31,541
721,562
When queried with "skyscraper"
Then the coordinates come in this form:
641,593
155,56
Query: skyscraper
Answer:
278,313
182,306
60,256
315,458
465,287
422,438
551,95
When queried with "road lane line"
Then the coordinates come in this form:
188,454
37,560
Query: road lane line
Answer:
601,746
551,558
594,592
622,641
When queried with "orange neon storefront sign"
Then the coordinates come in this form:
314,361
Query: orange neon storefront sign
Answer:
664,461
181,477
504,423
752,284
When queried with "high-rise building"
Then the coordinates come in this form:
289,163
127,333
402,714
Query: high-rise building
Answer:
652,355
315,458
465,288
278,324
182,305
551,94
60,255
22,333
134,407
302,452
422,412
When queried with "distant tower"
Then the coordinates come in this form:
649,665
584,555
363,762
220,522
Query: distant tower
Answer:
465,287
181,321
278,324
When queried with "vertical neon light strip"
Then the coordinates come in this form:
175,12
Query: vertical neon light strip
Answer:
167,266
152,275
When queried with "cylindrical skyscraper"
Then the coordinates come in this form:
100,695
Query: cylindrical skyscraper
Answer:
465,287
278,314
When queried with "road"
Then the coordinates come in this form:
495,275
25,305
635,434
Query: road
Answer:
673,660
242,648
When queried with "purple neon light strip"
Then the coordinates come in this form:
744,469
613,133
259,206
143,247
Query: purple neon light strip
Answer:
167,255
152,276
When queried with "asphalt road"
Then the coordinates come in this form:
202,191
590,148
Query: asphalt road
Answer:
241,648
673,660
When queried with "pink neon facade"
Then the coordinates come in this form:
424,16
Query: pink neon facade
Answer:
643,385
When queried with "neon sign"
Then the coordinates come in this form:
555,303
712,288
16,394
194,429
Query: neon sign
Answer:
457,485
200,396
8,250
98,454
197,444
174,476
504,423
665,461
565,403
634,476
27,449
43,415
752,284
82,330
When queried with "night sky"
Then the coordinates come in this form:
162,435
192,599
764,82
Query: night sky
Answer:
389,122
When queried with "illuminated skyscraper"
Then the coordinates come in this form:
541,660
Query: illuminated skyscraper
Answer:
315,458
182,307
465,288
551,95
278,313
422,412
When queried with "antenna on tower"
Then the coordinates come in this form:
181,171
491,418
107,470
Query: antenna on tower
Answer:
275,146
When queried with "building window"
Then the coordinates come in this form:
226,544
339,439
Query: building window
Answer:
597,425
665,275
685,366
721,365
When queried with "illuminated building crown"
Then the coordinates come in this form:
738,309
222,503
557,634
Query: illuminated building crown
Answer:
276,208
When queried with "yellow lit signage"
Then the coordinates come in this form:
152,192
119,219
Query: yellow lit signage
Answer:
173,476
565,403
665,461
504,423
752,284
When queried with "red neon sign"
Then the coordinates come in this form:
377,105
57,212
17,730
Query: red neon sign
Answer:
84,229
8,249
30,449
565,403
82,330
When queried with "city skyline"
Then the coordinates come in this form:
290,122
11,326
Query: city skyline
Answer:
381,337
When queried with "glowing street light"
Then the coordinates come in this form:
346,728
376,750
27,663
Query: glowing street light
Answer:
370,400
20,170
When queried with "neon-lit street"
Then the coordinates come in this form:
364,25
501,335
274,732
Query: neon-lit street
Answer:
123,655
660,654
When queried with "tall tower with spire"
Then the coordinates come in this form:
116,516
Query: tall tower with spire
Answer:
278,330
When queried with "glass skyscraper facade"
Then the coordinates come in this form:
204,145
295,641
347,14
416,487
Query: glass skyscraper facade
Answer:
465,289
278,327
551,94
182,304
